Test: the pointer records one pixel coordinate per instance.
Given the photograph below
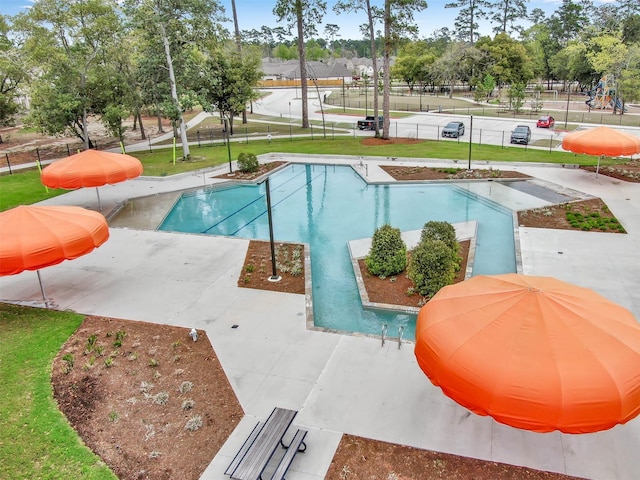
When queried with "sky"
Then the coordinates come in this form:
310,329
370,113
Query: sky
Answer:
253,14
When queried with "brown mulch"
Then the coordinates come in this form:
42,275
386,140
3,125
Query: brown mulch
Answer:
120,411
628,172
452,173
257,269
360,458
393,290
555,216
262,169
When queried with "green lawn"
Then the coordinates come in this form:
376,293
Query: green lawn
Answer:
25,187
36,442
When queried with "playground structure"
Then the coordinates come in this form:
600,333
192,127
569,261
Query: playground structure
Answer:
604,95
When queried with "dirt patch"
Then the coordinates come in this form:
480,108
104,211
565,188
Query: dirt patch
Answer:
363,459
146,398
377,142
586,215
440,173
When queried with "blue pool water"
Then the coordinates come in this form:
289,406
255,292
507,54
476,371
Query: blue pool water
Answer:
326,206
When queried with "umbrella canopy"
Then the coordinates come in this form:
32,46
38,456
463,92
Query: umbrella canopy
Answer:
602,141
91,168
35,237
532,352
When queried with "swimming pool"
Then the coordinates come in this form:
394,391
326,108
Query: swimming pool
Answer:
328,205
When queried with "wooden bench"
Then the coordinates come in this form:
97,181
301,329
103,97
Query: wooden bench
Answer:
292,449
257,450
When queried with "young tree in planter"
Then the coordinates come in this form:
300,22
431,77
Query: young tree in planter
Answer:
388,254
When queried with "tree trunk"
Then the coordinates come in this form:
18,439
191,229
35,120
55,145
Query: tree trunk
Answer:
386,81
238,46
174,93
143,135
374,61
303,66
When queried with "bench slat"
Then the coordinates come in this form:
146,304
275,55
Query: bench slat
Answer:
243,450
259,453
287,459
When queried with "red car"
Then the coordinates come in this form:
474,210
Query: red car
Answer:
545,122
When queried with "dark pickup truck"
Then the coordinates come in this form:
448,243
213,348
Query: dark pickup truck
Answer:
369,122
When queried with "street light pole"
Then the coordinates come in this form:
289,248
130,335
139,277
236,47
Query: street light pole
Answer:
566,116
226,130
470,138
274,274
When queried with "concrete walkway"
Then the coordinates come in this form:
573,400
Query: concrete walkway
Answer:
341,383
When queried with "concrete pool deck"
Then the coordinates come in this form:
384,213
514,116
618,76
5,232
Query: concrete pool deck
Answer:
343,383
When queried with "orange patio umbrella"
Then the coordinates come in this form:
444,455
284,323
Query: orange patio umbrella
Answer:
91,168
532,352
34,237
602,141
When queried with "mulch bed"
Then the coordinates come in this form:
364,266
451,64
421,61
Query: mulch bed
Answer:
262,169
555,216
127,401
393,290
453,173
628,172
257,269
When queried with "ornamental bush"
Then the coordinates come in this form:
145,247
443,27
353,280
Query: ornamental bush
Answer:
388,254
432,267
440,231
247,162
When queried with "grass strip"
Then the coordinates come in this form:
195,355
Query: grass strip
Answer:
36,441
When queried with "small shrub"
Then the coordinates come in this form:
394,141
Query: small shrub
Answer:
432,267
67,358
153,362
91,342
161,398
155,454
108,362
440,231
249,268
194,423
188,404
185,387
248,162
145,387
388,254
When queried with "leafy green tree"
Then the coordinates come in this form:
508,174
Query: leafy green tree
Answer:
304,15
413,64
388,254
568,21
506,60
68,42
629,80
457,63
466,22
13,73
631,29
227,83
506,14
180,27
516,96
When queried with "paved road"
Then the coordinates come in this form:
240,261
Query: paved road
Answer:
287,103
